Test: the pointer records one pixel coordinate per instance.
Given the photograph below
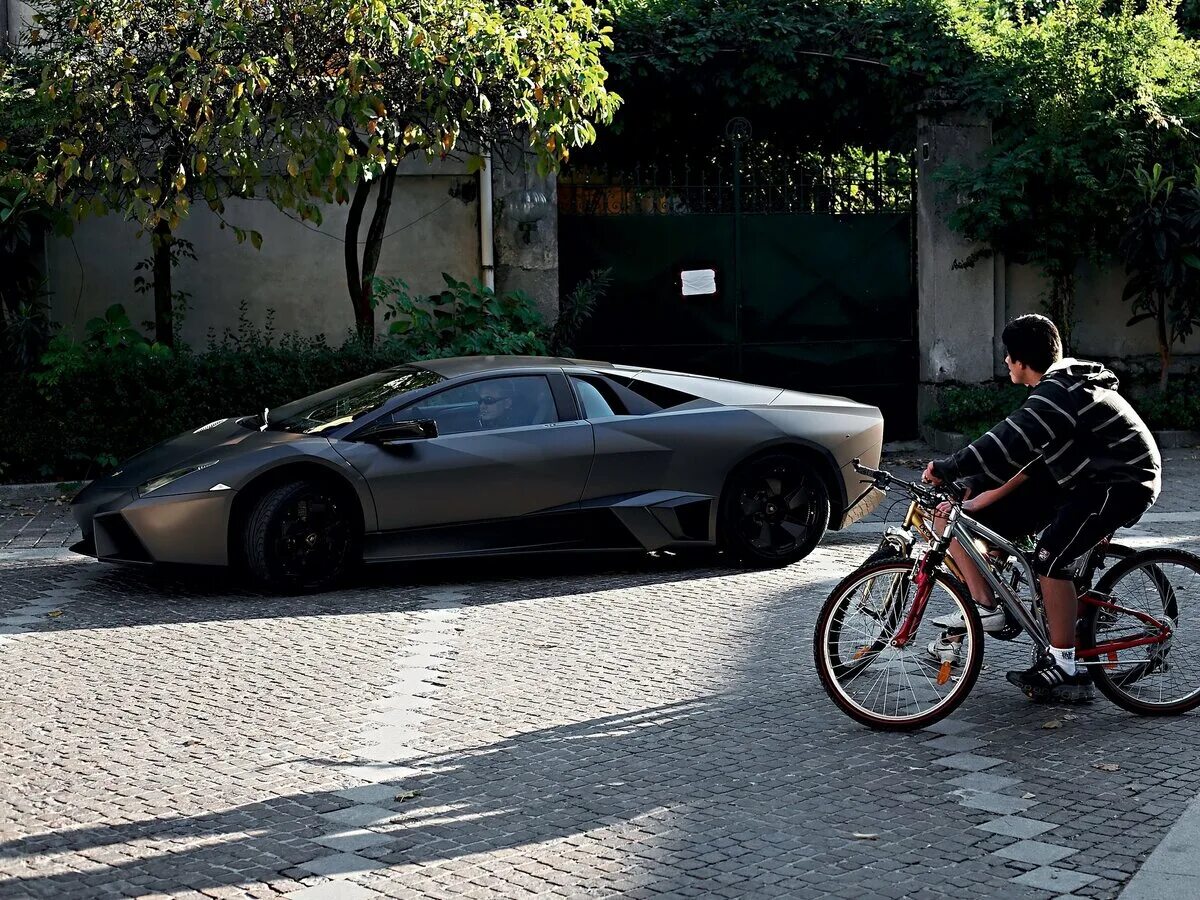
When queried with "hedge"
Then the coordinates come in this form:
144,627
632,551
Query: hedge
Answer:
973,409
108,407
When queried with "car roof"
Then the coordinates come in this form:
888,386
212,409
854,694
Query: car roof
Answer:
454,366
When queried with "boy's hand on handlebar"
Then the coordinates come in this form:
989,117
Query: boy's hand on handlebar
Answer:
969,506
929,476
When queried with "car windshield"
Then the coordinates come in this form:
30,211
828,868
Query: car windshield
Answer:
347,402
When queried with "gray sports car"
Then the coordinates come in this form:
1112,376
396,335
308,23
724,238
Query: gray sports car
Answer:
456,457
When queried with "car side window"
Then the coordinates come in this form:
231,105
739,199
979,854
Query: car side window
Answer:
509,402
594,390
593,402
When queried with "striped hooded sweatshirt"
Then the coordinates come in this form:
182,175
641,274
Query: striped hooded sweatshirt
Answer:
1074,419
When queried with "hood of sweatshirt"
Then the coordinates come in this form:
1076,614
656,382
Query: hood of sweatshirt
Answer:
1084,370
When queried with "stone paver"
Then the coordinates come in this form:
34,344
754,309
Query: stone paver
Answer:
1053,879
36,519
600,728
1017,826
1171,871
1036,852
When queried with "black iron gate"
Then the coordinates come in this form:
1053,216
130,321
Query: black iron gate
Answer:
781,269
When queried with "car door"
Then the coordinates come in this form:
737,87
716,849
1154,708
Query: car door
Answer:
477,469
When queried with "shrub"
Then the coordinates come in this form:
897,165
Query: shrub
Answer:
973,409
463,320
1176,408
97,401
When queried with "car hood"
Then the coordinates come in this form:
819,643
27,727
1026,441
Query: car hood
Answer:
220,440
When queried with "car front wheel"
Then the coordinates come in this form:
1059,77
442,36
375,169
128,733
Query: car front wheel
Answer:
299,537
774,512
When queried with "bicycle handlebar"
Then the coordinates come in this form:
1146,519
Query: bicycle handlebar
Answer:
926,494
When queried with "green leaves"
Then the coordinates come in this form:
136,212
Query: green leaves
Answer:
1160,246
464,319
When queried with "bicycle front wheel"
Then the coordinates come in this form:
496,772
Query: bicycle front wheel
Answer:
1158,679
883,685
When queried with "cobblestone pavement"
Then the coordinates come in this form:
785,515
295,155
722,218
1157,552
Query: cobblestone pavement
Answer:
633,727
36,518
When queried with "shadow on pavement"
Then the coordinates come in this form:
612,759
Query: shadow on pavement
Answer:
115,596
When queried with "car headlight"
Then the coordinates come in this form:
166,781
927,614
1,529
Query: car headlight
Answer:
174,475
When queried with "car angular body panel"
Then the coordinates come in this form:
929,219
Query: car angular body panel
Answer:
591,455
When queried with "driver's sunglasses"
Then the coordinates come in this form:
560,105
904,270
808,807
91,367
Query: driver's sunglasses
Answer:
488,401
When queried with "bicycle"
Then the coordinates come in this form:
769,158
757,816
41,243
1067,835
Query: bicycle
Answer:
900,541
871,655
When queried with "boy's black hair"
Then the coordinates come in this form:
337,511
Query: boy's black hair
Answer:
1034,340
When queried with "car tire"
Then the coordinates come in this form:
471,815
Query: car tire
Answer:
300,537
774,511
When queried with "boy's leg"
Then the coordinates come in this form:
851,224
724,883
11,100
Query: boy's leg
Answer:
1062,610
1091,513
1026,510
981,591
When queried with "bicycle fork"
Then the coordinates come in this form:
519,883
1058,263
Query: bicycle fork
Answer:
926,576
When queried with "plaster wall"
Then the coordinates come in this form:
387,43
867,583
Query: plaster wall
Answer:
1101,315
433,227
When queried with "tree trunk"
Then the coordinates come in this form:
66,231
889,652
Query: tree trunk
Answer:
1164,343
164,315
1061,307
364,320
374,244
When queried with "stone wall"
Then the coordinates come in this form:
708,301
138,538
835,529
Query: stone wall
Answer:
530,267
962,311
956,306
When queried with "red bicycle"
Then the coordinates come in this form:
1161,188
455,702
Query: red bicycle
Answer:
876,659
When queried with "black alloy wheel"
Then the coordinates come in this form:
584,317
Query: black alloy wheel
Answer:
301,536
775,512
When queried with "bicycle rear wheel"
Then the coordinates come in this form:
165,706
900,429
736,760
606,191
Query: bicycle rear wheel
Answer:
877,683
1152,679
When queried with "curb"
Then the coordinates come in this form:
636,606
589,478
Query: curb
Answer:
953,441
41,554
1176,440
37,489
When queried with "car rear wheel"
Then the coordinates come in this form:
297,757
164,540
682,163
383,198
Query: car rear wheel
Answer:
300,536
774,512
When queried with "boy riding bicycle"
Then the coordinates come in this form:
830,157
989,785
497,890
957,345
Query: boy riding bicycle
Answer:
1077,458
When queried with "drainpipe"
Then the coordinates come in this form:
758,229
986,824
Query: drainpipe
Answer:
487,251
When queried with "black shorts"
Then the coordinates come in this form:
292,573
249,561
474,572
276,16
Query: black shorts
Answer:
1027,509
1088,514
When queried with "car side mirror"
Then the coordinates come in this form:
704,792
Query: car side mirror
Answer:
399,433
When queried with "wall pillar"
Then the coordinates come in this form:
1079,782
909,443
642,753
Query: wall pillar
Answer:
956,306
530,267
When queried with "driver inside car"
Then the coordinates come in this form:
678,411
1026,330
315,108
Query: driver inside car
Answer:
496,405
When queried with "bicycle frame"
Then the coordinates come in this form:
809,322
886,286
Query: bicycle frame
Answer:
966,530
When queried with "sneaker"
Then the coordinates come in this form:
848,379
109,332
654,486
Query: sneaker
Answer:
944,648
1079,691
1047,682
994,621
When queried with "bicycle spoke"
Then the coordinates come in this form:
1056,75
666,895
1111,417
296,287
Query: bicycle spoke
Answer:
878,677
1160,675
